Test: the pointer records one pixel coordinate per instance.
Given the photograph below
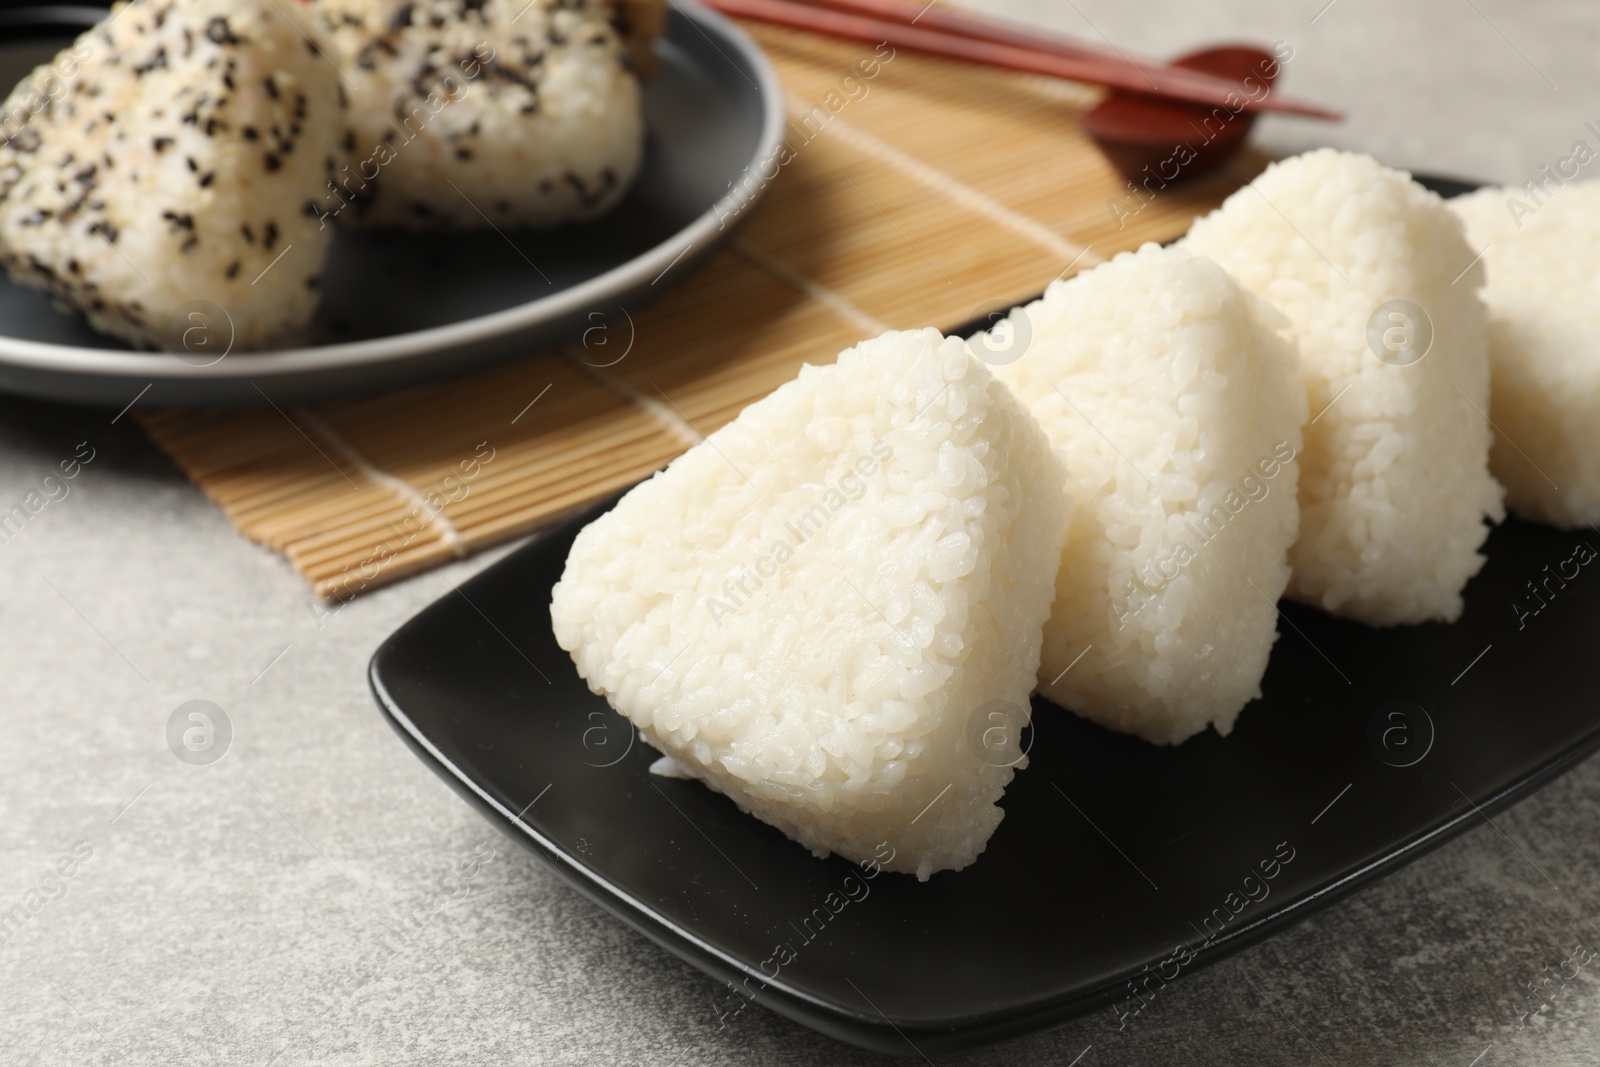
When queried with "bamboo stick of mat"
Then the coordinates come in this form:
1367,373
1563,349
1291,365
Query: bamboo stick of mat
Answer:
924,195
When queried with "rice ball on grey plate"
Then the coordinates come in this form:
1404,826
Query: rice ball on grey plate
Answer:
1381,288
1177,406
477,113
1544,345
166,160
816,610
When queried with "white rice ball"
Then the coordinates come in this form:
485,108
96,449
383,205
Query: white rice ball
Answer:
1543,261
471,113
1394,479
1178,409
817,610
165,161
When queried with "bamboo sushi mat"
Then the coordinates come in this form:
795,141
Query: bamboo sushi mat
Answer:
945,188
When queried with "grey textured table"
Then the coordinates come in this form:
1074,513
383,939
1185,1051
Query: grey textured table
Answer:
317,896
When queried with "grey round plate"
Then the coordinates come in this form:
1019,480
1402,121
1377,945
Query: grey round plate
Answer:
399,307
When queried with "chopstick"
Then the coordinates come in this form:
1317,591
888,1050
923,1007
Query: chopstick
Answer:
979,41
932,17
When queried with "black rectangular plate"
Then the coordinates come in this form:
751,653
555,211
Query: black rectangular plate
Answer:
1119,865
1113,852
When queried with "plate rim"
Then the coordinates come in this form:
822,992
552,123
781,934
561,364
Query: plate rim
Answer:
113,364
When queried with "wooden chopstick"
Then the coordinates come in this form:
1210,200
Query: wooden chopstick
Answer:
1043,55
933,17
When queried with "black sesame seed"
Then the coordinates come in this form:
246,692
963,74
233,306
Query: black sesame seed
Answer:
272,162
155,62
217,30
233,269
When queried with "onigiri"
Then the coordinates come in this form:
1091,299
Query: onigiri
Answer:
1381,289
825,610
1177,406
478,113
156,175
1543,295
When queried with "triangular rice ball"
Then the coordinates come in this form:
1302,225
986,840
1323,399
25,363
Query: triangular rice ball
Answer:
1179,409
1381,289
160,174
831,609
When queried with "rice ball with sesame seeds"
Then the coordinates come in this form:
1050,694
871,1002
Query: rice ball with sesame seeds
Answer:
1381,288
810,611
166,160
472,113
1543,295
1178,407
